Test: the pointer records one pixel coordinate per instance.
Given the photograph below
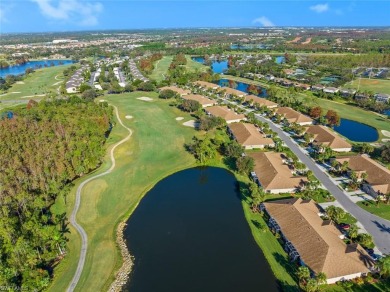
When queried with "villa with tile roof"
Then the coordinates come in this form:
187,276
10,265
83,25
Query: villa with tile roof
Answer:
323,136
314,242
224,112
248,136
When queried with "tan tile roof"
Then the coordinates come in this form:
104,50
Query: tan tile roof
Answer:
176,89
378,176
293,116
200,98
273,173
325,136
207,84
224,112
233,91
252,99
317,241
248,135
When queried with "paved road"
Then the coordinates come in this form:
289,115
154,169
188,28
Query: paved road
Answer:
73,220
379,228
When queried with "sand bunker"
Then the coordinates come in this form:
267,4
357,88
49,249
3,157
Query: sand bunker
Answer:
190,123
386,133
128,117
385,140
19,82
179,118
144,98
102,100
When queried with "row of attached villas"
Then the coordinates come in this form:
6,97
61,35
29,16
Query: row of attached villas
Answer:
271,170
308,239
314,242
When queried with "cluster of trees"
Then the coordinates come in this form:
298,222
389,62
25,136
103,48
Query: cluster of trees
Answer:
307,283
6,83
331,118
43,148
146,64
337,215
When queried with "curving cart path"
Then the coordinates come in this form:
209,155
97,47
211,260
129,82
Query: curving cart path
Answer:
73,221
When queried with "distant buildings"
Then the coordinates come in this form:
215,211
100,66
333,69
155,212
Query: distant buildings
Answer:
178,90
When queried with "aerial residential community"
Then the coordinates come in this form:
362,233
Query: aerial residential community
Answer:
183,154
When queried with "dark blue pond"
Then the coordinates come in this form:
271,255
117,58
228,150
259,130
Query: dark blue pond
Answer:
189,233
280,60
356,131
21,69
217,66
387,112
262,92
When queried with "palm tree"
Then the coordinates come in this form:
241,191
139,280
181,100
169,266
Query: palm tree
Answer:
321,278
353,231
303,274
383,264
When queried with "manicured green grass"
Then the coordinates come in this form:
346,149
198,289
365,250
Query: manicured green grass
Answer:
374,85
155,150
346,111
36,84
161,68
273,251
193,66
246,80
382,210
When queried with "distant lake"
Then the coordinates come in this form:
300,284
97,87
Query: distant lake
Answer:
189,233
21,69
356,131
217,66
387,112
280,60
241,86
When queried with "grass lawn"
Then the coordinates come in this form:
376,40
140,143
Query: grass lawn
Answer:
193,66
246,80
154,151
37,84
382,210
346,111
374,85
273,251
161,68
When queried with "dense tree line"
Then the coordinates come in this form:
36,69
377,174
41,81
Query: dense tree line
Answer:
43,148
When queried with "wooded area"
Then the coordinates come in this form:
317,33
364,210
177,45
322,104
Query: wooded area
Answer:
43,148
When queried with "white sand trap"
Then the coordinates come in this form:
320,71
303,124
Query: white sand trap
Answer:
10,93
386,133
190,123
144,98
385,140
102,100
179,118
19,82
128,117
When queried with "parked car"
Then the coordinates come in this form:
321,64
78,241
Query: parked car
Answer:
344,226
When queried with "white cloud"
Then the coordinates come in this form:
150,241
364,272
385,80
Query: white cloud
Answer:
76,11
319,8
264,21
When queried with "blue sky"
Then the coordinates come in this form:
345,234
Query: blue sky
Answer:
65,15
